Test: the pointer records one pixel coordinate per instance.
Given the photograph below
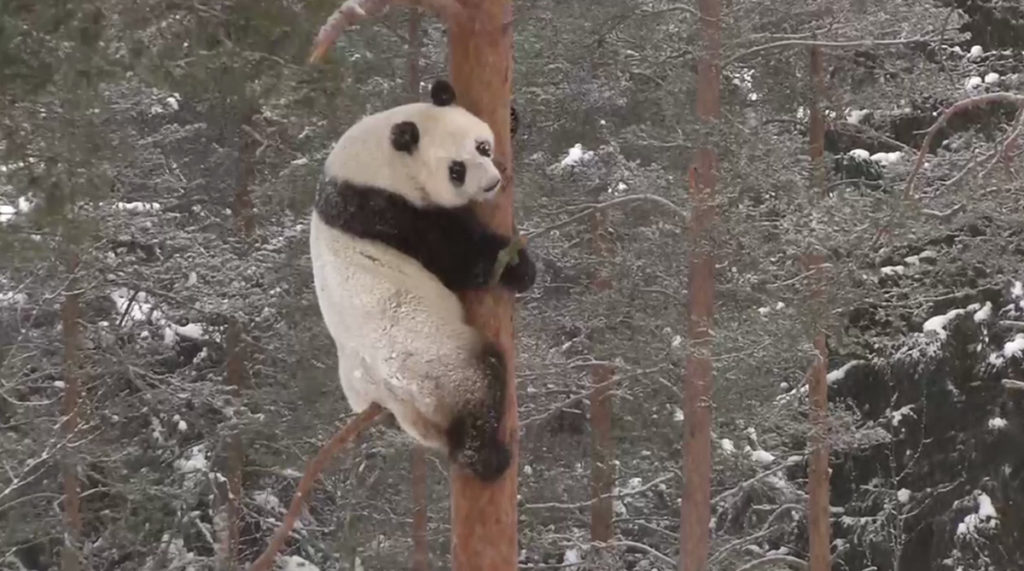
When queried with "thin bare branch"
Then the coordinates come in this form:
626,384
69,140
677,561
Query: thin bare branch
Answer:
348,432
556,505
962,105
825,44
602,206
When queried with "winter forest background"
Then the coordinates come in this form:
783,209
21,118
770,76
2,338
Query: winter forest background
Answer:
162,354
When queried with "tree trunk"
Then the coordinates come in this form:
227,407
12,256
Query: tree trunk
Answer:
245,225
480,51
602,469
818,478
697,386
420,547
70,311
236,448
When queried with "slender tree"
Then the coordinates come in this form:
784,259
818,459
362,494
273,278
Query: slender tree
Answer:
245,225
817,482
602,469
697,386
70,312
480,55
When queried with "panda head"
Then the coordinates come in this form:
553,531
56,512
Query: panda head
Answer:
432,154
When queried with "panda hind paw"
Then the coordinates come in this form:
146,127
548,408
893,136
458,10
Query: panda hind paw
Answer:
483,454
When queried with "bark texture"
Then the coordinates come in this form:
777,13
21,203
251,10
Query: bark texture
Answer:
697,385
602,469
245,225
818,515
484,523
70,312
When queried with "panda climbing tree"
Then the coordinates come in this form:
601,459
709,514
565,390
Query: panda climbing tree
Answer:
414,216
393,238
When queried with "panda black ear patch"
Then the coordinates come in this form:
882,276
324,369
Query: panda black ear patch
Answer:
405,136
442,93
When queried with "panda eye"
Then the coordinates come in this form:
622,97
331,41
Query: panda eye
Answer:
484,148
457,172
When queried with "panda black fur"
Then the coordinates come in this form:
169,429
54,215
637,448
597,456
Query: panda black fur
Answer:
393,238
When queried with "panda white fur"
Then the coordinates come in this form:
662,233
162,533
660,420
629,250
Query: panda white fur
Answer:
393,237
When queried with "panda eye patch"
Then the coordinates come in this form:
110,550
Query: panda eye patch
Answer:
457,172
484,148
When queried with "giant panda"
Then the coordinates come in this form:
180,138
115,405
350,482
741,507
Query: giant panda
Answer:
393,239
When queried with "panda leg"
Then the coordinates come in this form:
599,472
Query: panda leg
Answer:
474,438
417,425
356,382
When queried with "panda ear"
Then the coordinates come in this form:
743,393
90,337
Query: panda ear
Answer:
442,93
405,136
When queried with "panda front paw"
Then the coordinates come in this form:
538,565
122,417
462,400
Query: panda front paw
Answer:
521,275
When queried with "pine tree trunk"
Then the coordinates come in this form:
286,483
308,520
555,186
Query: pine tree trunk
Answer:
697,385
245,225
70,312
420,547
818,478
602,469
236,448
484,515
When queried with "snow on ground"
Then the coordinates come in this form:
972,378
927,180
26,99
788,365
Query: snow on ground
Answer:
1017,291
903,495
975,53
991,77
859,154
973,82
893,270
